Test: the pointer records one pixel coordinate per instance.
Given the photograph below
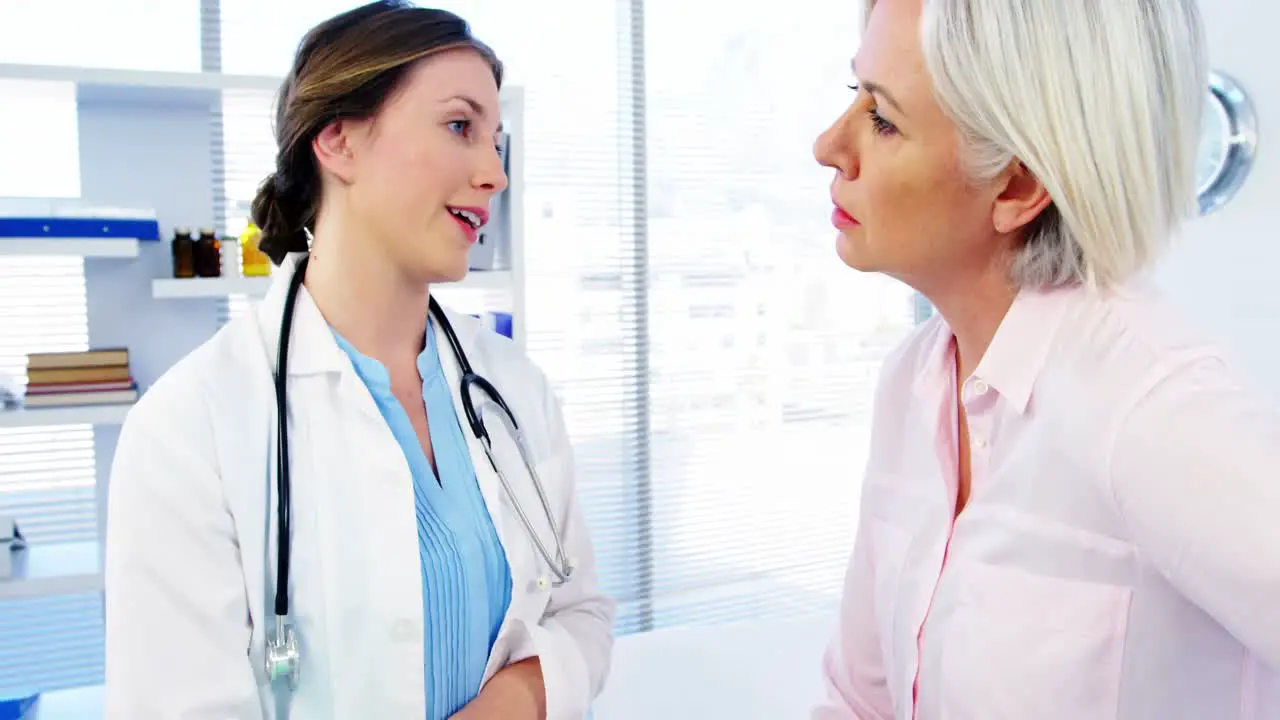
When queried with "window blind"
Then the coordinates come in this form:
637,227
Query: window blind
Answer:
765,348
47,474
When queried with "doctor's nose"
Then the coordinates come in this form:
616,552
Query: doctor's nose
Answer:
491,176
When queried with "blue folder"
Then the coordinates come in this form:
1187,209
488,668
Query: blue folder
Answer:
79,228
498,322
17,708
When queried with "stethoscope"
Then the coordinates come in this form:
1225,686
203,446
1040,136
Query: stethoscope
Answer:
283,658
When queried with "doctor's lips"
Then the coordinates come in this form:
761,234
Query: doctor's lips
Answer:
470,219
842,219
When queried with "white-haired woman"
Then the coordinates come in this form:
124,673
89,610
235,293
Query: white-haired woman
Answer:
1071,509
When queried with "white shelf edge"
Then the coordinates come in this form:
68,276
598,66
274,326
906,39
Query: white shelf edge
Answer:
483,280
76,703
256,287
132,86
113,414
87,247
179,288
109,77
56,569
75,584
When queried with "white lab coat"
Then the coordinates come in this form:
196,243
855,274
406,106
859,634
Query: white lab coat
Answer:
191,535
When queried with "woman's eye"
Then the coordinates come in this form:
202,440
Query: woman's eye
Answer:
461,127
881,125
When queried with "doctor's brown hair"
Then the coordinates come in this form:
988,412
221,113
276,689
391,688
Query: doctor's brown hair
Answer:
345,67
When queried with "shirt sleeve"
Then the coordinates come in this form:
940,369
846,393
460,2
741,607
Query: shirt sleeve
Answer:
1195,471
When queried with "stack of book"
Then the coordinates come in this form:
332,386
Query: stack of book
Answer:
90,377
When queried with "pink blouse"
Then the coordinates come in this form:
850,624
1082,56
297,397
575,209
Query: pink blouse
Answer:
1119,556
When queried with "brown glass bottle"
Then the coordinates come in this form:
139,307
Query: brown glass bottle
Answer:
184,248
208,254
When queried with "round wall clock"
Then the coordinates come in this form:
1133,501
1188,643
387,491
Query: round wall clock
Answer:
1228,141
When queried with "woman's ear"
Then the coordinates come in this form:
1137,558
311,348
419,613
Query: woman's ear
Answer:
335,151
1022,198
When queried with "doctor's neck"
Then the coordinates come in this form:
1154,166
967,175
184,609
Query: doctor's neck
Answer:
365,297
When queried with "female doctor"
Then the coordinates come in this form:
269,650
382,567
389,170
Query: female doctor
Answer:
381,554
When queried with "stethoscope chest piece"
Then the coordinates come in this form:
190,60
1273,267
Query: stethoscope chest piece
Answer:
283,657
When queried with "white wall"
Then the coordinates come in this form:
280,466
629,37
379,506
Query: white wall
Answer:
1223,273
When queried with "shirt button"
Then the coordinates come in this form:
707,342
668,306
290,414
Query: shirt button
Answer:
980,387
979,441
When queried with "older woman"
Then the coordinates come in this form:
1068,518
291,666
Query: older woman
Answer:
1071,509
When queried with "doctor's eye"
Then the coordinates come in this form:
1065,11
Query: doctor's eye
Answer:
460,127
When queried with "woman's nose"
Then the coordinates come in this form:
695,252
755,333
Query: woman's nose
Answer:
491,175
834,148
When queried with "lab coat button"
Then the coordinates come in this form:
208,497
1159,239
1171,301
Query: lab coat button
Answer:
403,630
980,387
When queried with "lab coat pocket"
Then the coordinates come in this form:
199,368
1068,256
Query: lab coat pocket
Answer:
1022,645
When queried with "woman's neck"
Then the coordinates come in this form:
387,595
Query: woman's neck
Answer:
364,297
973,309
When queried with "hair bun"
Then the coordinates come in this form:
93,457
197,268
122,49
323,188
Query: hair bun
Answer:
281,215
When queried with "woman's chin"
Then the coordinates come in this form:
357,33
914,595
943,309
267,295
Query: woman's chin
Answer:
853,252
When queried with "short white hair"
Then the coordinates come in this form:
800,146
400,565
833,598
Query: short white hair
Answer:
1101,99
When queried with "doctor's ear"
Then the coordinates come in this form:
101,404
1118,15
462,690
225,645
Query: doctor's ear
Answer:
335,147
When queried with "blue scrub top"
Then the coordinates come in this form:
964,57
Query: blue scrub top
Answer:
466,582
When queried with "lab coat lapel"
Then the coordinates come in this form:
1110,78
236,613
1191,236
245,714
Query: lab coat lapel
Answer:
511,532
353,503
312,348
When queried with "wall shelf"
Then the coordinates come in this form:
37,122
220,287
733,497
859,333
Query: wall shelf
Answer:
87,247
70,415
256,287
174,288
55,569
106,85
